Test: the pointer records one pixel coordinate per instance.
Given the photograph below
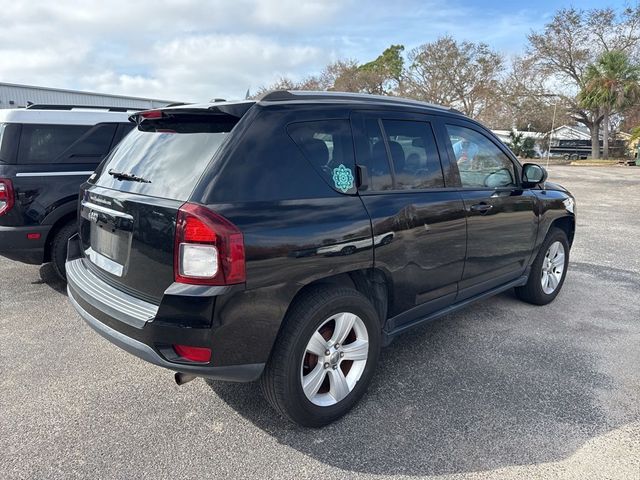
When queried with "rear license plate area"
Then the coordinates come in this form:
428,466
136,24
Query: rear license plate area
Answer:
109,248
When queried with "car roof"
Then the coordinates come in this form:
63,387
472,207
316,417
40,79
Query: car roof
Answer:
304,96
75,116
280,97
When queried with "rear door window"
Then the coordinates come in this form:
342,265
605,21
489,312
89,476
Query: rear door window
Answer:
328,146
399,155
170,158
414,154
40,144
375,157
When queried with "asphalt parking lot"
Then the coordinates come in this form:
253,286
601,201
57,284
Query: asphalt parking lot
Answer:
499,390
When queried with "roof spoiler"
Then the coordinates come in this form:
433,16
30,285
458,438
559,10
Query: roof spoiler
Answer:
236,110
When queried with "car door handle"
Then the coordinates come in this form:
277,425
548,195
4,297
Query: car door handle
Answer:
481,207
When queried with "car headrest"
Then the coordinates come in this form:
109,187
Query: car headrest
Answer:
317,151
379,161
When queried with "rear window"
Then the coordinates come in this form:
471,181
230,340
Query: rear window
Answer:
169,157
44,143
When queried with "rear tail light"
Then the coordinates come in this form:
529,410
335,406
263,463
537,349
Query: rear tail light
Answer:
193,354
6,196
150,114
209,249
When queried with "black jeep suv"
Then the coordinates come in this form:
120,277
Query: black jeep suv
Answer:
46,152
289,238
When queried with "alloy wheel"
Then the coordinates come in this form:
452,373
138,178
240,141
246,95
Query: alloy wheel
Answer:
334,359
552,268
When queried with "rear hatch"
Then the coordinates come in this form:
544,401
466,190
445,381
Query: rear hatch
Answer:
129,207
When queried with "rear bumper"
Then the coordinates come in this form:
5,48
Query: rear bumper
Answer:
142,329
15,245
234,373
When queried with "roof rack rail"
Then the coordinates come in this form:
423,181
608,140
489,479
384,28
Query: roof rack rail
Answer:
51,106
288,95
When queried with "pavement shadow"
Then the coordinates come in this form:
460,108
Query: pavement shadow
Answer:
470,392
48,276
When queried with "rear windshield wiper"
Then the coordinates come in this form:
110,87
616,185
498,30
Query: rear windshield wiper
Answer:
127,176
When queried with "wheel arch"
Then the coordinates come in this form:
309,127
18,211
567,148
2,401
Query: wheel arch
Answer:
58,219
567,224
373,283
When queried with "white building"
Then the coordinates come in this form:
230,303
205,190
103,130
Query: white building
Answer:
504,135
569,132
15,96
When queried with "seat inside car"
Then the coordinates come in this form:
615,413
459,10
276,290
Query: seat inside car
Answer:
317,151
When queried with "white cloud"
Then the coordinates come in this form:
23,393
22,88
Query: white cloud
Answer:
193,50
208,66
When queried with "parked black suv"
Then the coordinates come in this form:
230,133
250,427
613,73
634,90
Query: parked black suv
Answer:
287,239
46,152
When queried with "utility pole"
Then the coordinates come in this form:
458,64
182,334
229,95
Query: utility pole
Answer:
553,124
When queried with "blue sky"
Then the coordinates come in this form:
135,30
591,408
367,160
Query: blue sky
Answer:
195,50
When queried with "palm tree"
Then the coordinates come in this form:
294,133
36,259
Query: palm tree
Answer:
611,85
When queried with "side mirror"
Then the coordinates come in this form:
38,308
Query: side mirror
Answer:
533,174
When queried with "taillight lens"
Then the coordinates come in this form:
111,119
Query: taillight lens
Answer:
209,249
6,196
193,354
150,114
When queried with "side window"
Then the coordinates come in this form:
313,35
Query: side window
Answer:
92,146
267,166
123,129
9,139
377,162
412,149
328,146
44,143
416,163
480,162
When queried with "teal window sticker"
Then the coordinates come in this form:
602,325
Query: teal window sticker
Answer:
343,178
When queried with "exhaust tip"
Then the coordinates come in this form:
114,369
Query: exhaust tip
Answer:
182,378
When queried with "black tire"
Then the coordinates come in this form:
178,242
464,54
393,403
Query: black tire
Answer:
387,240
281,382
532,291
59,248
349,250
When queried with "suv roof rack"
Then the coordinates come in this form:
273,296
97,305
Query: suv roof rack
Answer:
289,95
51,106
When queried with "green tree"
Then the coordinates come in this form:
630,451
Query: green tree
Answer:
383,75
611,85
520,145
